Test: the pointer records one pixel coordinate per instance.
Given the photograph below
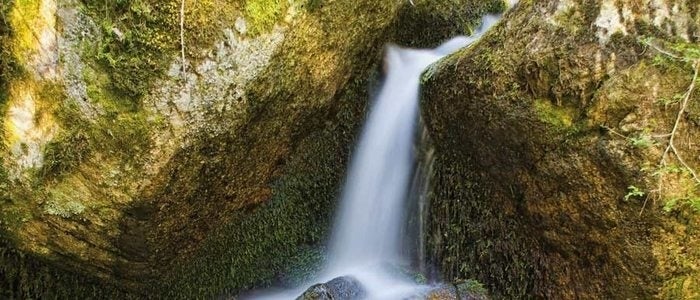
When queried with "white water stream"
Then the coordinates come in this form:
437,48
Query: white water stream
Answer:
367,238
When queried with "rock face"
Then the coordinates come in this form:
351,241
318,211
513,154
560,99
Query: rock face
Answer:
344,287
549,136
124,166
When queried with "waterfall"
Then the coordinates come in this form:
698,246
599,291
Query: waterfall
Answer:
366,242
367,235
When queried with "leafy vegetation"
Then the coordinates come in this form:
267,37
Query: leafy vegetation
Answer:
471,287
8,70
633,192
641,141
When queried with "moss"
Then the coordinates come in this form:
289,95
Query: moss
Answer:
9,67
303,266
8,70
523,88
278,243
64,203
12,216
26,276
25,18
434,22
471,246
471,287
65,152
560,118
262,246
142,37
682,287
264,14
313,5
122,125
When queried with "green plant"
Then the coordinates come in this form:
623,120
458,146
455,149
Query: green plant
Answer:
673,203
9,68
301,268
641,141
264,14
670,204
695,203
65,152
670,101
633,191
472,288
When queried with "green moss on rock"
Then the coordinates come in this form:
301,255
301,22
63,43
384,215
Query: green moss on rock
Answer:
524,205
426,24
8,64
27,276
262,245
142,37
264,14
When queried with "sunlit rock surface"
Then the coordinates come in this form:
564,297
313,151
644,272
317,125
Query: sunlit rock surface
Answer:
137,173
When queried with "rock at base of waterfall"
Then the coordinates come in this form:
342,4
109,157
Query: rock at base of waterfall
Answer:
344,287
471,290
461,291
441,292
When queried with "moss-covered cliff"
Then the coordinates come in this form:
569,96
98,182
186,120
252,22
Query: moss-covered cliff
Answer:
194,149
551,177
126,166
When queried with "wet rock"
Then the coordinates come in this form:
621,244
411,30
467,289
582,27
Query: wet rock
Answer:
442,292
471,290
468,290
344,287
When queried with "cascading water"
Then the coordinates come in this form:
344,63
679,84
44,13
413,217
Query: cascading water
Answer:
367,235
366,242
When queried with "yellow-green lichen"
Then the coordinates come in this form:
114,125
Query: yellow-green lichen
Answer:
62,205
29,19
558,117
264,14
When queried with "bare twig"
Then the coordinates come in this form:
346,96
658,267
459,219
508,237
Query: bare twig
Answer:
182,38
615,132
671,146
665,52
641,211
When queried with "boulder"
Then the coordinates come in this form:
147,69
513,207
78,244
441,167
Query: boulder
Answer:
546,133
340,288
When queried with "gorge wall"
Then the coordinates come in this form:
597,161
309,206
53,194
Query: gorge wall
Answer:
549,137
130,172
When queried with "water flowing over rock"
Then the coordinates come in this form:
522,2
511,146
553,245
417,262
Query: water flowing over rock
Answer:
340,288
372,213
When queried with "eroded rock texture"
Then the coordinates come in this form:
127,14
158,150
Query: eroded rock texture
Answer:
538,131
